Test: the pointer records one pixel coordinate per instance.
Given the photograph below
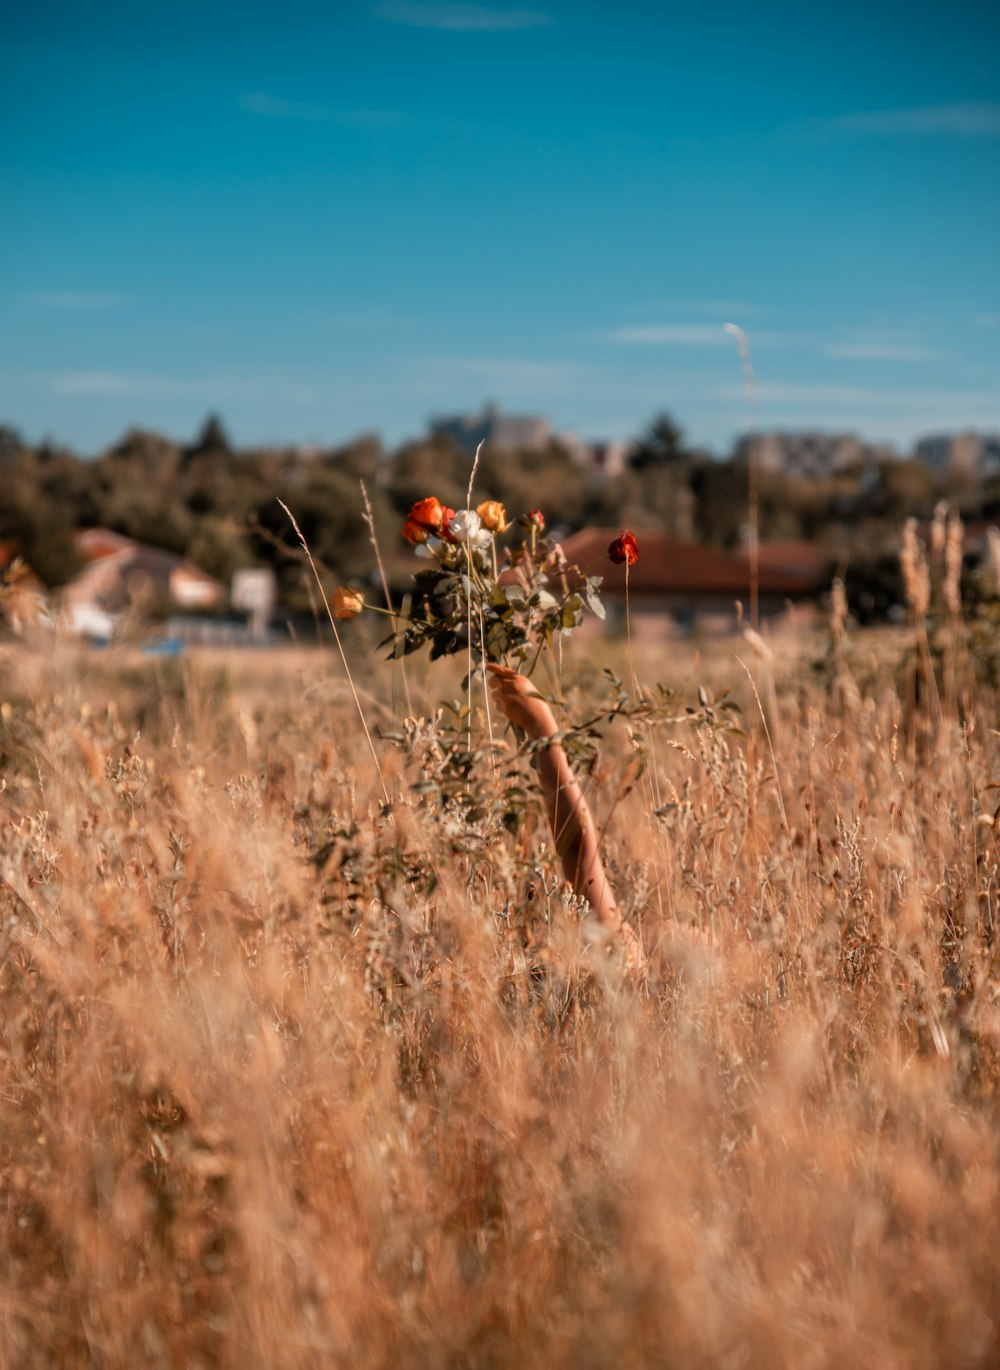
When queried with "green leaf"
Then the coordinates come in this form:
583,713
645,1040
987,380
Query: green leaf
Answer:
593,599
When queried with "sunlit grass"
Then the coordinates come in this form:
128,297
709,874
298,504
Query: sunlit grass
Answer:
287,1079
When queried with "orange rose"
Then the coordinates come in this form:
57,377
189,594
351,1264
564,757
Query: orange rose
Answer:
347,603
430,512
492,515
427,518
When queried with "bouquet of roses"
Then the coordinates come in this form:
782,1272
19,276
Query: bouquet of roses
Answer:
499,599
502,599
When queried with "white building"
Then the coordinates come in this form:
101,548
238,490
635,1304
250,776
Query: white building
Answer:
969,454
494,427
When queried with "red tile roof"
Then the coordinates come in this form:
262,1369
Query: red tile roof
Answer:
667,565
94,544
795,556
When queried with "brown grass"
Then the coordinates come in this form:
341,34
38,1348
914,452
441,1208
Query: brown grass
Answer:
285,1081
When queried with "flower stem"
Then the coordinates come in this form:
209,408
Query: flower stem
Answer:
628,635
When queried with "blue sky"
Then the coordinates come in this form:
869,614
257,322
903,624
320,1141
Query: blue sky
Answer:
318,219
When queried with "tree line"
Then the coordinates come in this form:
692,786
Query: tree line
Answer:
219,507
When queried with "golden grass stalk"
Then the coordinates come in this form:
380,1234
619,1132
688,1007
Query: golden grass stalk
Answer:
340,649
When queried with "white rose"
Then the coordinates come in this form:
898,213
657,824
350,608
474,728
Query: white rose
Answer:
467,527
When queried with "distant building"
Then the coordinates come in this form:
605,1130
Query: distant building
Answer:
809,453
492,426
254,591
681,585
796,557
969,454
118,569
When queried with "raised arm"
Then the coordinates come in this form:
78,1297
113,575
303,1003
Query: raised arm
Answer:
573,829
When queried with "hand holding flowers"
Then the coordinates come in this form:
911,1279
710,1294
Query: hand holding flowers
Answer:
498,604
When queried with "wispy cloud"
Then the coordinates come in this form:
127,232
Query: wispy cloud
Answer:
666,335
274,107
212,389
693,335
869,345
858,397
459,18
109,383
958,121
879,352
78,299
988,321
514,379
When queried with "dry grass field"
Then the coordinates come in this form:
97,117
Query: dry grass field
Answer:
293,1078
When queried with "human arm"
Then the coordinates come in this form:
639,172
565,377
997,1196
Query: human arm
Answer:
573,829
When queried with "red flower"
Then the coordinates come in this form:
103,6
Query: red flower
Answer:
429,512
415,532
428,517
535,519
624,550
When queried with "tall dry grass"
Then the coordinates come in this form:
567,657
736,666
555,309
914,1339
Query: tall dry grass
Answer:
290,1080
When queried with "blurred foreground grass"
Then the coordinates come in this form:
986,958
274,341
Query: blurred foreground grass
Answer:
291,1079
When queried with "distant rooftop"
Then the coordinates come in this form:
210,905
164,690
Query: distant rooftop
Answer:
670,565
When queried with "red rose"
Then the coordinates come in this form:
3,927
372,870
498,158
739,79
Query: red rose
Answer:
624,550
427,518
415,532
535,519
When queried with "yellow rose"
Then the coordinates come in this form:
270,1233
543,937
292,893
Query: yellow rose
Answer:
347,603
492,515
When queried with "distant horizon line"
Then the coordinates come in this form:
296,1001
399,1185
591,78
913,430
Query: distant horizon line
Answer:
564,437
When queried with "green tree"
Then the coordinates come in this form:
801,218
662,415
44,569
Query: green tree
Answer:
435,466
546,478
660,444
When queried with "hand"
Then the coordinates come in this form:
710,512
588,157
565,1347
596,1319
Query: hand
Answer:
519,701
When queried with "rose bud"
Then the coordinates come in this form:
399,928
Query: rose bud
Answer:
534,519
492,515
347,603
624,550
447,515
